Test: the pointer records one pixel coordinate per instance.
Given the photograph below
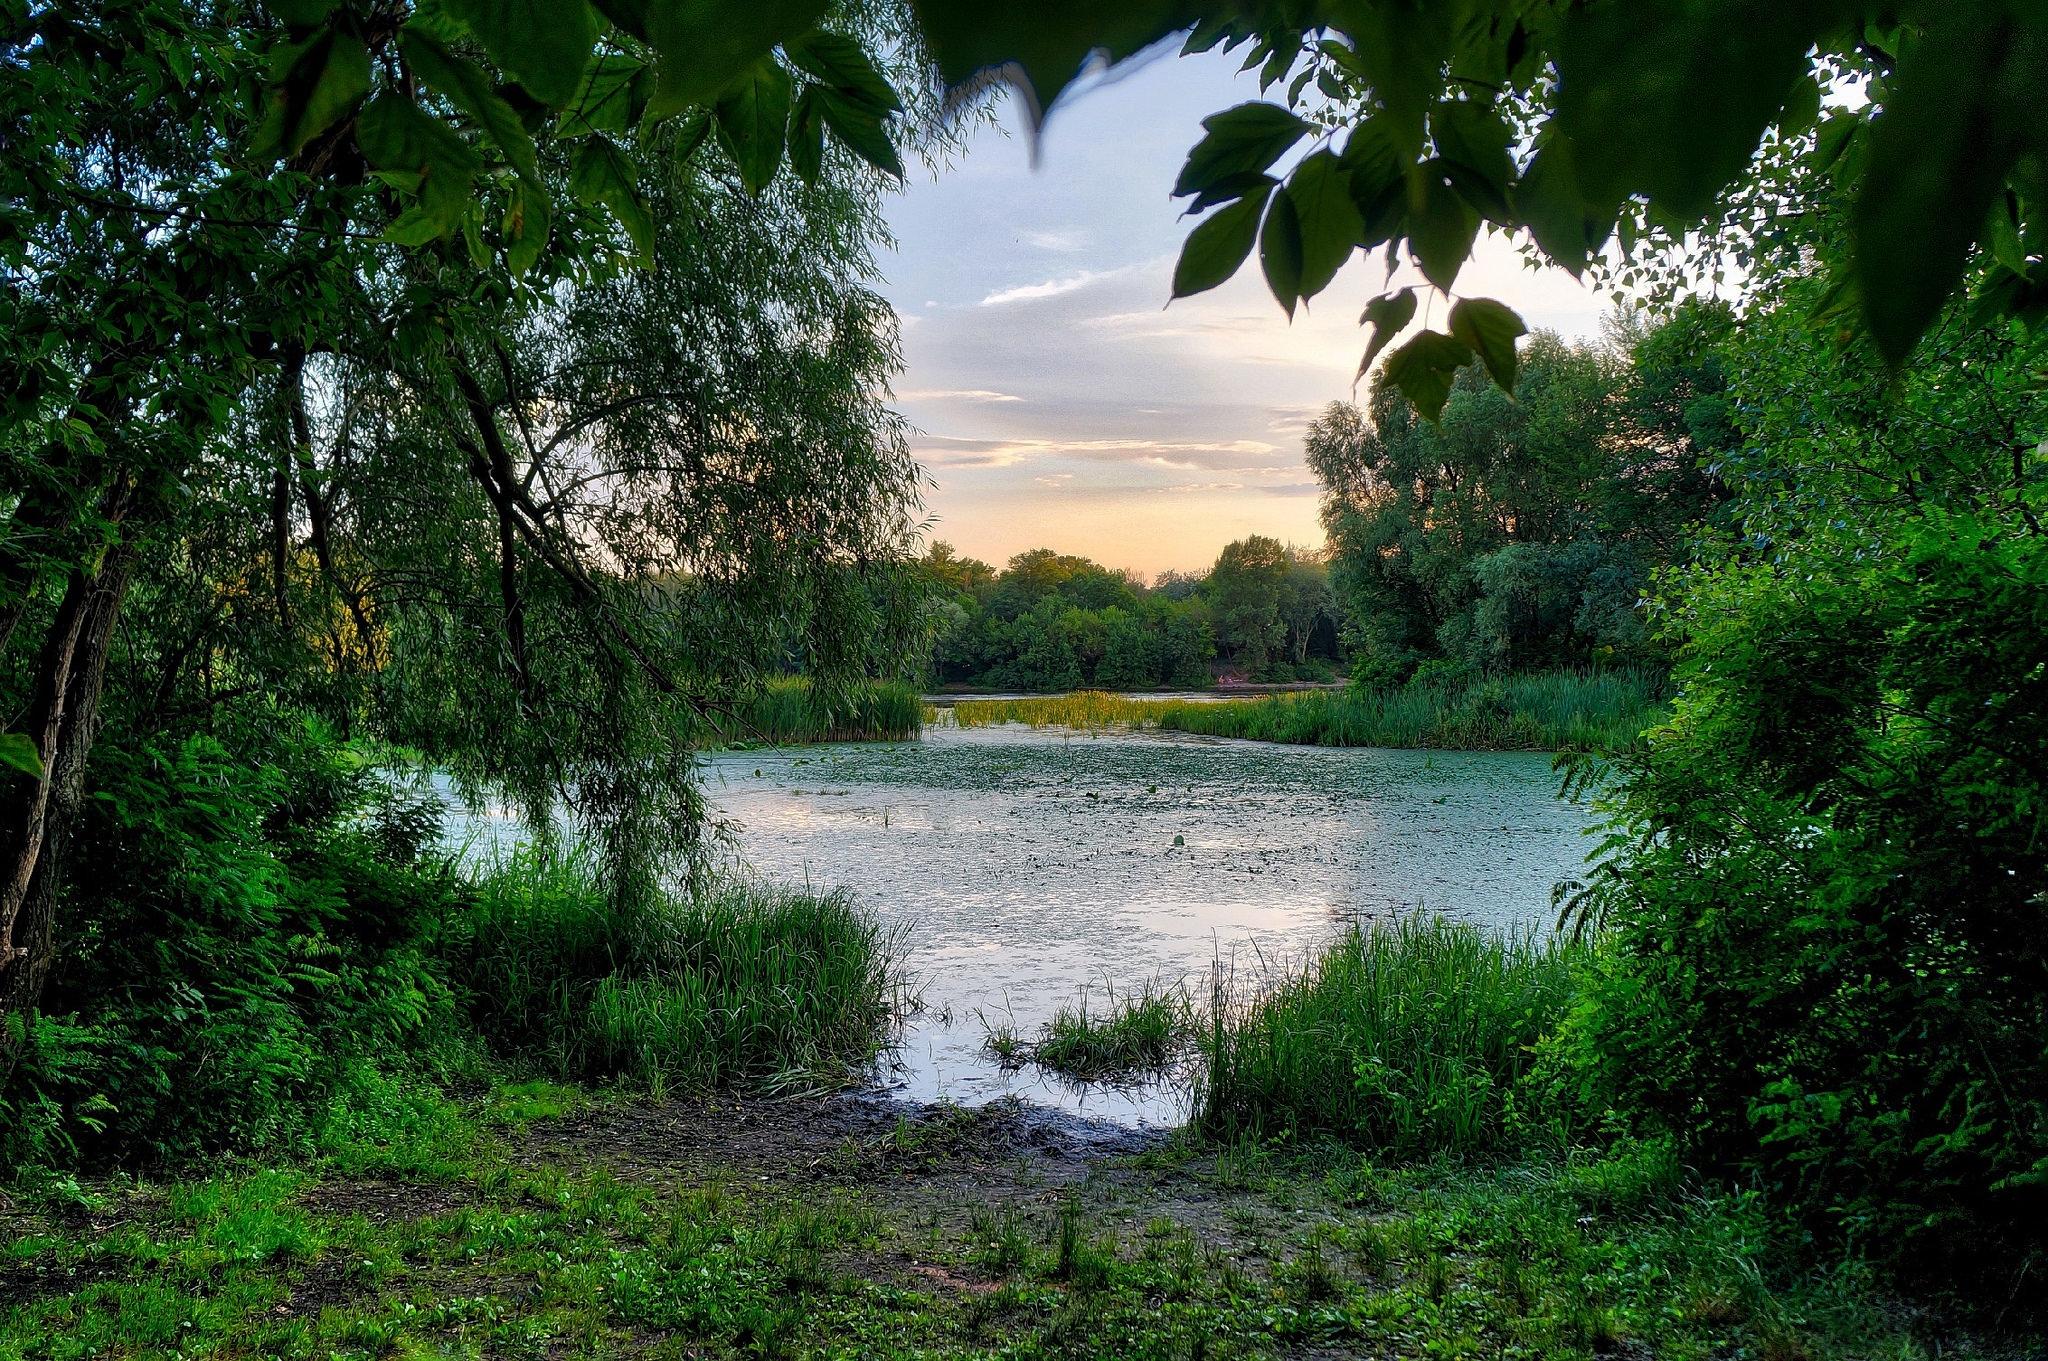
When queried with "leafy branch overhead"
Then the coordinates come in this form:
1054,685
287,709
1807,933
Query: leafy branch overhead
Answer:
449,107
1395,126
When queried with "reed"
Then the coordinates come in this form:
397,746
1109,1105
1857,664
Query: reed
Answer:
790,710
1135,1034
1539,711
739,985
1410,1038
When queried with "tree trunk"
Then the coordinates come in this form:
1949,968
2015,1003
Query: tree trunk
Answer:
40,818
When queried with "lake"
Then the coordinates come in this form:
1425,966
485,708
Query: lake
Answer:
1024,866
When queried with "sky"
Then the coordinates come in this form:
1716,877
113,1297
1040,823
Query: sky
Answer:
1058,402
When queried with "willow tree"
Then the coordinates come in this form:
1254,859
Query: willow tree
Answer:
528,432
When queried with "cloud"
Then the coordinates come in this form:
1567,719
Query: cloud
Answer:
958,395
1072,283
1241,455
1064,239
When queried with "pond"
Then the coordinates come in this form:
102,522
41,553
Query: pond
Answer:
1024,866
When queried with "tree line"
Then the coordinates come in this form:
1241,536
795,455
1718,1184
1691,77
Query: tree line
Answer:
1051,621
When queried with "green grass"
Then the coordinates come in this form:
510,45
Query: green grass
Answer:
736,985
1136,1034
522,1246
790,710
1414,1039
1542,711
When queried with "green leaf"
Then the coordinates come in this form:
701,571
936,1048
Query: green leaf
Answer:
807,137
691,131
542,44
2002,233
609,98
1330,225
861,132
1388,316
838,62
1400,51
1547,201
1489,330
707,45
752,116
1472,142
1280,249
18,752
1041,47
1932,175
314,85
1218,245
525,229
1239,142
397,137
1441,227
469,89
1424,368
602,175
1669,97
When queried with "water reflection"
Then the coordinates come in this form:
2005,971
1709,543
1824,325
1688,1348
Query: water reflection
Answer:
1026,865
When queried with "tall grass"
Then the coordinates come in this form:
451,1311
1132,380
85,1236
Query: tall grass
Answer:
739,985
1409,1038
791,710
1538,711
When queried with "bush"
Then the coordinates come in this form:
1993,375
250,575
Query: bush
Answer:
1826,958
243,932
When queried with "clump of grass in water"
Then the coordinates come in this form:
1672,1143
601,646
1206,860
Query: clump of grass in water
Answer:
1409,1038
738,985
1541,711
1137,1034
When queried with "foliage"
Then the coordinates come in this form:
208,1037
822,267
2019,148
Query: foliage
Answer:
1822,900
1412,1038
247,936
1519,534
1540,711
367,409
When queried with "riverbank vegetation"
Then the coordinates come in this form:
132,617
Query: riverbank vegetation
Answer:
1141,1033
793,710
1542,711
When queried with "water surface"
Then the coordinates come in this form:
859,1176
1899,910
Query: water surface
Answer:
1026,865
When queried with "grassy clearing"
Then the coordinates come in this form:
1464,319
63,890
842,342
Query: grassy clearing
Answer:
1413,1038
528,1238
740,985
1544,711
790,711
1133,1035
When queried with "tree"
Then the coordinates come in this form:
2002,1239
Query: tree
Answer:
372,406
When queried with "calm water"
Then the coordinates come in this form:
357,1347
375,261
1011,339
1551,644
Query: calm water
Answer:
1025,866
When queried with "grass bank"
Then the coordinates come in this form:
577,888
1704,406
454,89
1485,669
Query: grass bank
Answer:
790,710
1543,711
536,1221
